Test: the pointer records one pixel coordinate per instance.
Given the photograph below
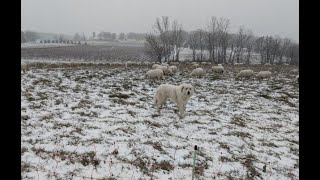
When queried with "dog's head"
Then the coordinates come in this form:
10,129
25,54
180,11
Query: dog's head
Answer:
187,89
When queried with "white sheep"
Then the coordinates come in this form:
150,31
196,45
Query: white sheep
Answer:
219,64
154,66
173,69
294,71
267,64
154,73
245,73
165,64
128,63
197,72
218,69
164,69
264,74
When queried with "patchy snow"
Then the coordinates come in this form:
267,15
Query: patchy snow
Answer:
99,122
43,45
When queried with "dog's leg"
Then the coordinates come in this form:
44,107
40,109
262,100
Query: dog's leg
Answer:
181,111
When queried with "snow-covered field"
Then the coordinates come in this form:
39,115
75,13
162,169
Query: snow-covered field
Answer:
99,122
42,45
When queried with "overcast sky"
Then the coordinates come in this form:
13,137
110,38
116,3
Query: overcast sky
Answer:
263,17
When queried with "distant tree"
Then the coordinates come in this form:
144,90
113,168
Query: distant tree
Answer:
94,35
121,36
67,41
23,38
285,43
193,42
201,42
275,49
31,36
212,37
293,54
41,41
242,38
76,37
178,38
45,41
61,38
83,37
249,47
113,36
153,47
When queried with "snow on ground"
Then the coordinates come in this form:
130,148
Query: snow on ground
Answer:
99,122
42,45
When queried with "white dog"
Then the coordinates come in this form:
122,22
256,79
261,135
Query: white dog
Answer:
178,94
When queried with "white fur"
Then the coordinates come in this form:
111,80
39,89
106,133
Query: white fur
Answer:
294,71
128,63
154,74
164,69
165,64
267,64
178,94
264,74
197,72
218,69
154,66
245,73
173,69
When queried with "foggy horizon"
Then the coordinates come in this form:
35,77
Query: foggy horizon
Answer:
264,17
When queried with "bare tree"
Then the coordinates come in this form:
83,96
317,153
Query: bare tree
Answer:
293,53
121,36
275,48
259,44
249,43
283,48
162,28
23,39
153,47
164,39
201,41
242,38
222,39
178,39
76,37
193,42
211,37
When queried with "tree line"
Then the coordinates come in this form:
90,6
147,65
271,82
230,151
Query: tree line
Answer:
215,43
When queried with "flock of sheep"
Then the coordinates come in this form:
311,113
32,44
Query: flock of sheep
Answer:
159,71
